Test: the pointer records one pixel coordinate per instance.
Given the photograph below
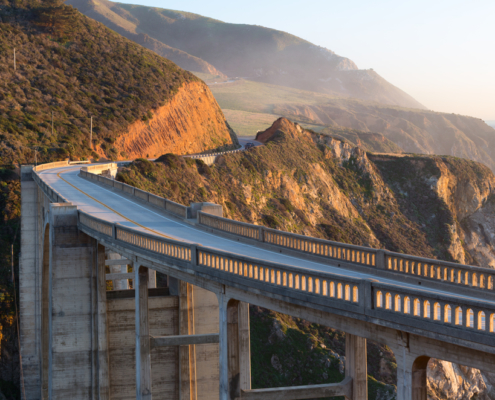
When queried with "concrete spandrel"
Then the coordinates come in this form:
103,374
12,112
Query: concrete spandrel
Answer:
183,231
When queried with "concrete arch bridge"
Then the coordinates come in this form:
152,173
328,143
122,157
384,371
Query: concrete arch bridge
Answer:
190,340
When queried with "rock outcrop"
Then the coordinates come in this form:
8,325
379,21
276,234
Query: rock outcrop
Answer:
191,122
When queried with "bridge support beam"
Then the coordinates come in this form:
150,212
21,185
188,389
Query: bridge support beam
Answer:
356,366
143,356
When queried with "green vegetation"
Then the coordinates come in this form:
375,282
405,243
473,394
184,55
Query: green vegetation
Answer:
69,73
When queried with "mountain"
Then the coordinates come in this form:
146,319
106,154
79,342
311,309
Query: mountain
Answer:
412,130
259,53
122,22
141,103
308,183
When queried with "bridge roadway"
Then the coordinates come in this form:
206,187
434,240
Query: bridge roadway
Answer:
113,207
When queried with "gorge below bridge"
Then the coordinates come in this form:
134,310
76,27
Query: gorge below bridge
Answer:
190,340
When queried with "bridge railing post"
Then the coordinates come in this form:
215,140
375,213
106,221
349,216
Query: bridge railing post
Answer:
380,259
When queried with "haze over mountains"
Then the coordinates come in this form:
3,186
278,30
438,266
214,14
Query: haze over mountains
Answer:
248,51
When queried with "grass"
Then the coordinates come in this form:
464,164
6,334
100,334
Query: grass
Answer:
257,97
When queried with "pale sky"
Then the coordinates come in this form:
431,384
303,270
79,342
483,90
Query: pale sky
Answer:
440,52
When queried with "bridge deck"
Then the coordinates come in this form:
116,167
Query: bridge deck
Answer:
113,207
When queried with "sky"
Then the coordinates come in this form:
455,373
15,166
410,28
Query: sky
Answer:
440,52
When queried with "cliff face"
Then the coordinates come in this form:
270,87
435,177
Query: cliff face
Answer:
191,122
305,182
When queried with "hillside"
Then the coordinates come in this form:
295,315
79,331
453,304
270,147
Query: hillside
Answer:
140,102
308,183
123,23
236,50
414,131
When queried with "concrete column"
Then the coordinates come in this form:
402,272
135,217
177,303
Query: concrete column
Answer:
233,349
244,346
29,284
356,365
223,348
187,354
235,362
71,307
121,284
143,357
418,378
103,374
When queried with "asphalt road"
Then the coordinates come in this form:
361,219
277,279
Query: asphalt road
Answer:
182,231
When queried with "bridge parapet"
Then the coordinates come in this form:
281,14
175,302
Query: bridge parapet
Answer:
437,270
439,313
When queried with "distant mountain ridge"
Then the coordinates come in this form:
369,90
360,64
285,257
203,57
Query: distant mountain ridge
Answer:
237,50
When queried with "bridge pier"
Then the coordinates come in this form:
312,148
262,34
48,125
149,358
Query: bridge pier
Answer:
411,375
72,296
235,354
356,366
143,354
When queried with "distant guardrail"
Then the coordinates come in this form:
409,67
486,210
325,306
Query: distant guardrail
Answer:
209,159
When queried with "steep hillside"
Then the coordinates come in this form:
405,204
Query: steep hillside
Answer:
250,51
304,182
414,131
83,70
122,22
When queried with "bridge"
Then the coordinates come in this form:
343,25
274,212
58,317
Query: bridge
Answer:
82,337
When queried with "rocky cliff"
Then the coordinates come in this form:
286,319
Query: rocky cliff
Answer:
314,184
191,122
414,131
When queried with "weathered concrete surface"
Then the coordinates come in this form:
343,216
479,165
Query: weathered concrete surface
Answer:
199,315
118,284
29,288
163,314
183,340
356,366
71,291
143,350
